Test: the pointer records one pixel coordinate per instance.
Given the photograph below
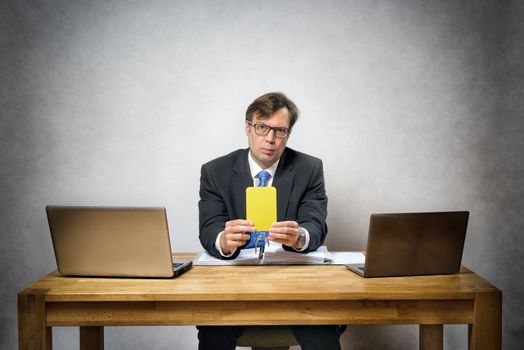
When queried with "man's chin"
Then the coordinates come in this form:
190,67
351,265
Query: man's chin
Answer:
268,157
266,161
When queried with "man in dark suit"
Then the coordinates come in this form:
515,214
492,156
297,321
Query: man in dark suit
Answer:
301,204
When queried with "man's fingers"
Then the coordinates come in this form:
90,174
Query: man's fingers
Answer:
279,235
236,239
238,229
284,232
286,241
238,222
239,226
292,224
231,241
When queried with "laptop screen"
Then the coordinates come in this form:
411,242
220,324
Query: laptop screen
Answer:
111,241
415,243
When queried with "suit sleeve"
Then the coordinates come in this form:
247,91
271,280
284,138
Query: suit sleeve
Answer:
213,213
312,211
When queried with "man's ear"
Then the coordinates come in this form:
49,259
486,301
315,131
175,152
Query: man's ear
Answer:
246,128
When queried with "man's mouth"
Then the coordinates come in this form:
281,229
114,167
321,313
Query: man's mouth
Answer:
268,152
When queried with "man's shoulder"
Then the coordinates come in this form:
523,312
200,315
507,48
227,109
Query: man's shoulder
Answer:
296,157
228,160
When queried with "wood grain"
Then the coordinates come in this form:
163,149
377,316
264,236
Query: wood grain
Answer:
261,295
230,283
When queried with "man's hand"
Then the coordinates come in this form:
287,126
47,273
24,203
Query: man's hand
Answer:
234,235
284,232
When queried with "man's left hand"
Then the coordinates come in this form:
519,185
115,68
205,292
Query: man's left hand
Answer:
284,232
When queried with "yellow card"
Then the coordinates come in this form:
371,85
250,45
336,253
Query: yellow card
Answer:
261,206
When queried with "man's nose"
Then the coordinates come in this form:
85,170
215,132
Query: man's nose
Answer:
270,137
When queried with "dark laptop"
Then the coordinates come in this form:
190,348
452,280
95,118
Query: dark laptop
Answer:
414,244
112,242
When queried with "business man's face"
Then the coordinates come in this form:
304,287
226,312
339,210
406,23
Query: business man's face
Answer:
267,149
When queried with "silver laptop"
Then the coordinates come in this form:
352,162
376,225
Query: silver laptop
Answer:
409,244
112,242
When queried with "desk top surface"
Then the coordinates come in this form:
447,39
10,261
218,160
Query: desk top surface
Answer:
221,283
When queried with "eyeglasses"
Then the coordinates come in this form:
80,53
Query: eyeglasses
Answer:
263,130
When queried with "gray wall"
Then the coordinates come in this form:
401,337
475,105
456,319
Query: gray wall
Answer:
412,105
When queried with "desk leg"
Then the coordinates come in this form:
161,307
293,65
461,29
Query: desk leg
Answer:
486,331
431,337
91,338
33,334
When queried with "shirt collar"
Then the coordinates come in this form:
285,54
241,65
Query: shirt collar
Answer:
255,168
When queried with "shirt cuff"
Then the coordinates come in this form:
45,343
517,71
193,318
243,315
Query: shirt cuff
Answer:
306,245
217,246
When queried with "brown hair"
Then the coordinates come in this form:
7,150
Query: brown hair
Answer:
267,104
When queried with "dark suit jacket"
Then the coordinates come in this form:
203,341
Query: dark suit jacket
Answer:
301,195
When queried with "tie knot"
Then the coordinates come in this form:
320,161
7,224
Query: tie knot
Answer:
263,176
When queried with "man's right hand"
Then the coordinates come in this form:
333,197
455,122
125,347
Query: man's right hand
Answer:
234,235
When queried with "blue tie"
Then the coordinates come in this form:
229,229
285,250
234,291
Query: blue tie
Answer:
263,176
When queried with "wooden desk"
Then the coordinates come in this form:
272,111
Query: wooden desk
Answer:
261,295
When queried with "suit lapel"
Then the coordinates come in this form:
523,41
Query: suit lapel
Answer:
284,178
239,181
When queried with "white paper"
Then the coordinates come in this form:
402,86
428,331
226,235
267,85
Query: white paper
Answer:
341,258
273,255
